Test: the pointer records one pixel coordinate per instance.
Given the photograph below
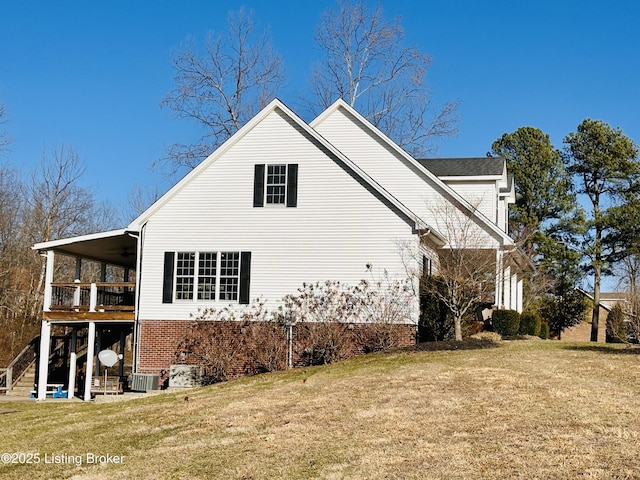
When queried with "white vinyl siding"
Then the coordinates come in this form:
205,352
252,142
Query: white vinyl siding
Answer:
337,228
405,181
481,195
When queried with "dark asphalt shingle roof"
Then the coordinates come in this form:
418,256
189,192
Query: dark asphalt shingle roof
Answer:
452,167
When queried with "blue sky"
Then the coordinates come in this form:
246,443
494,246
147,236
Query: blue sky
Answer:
92,74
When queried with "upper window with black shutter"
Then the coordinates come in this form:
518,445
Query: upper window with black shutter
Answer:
275,184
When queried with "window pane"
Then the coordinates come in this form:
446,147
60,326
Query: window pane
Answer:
185,270
276,183
229,275
207,276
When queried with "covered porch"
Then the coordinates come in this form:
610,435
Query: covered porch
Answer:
89,291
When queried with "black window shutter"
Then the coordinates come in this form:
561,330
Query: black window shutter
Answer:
167,279
292,185
258,186
245,277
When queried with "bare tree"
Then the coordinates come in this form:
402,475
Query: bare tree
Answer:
223,87
15,278
629,273
138,200
58,206
465,274
5,138
367,66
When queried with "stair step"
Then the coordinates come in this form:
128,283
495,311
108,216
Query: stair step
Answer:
13,393
18,388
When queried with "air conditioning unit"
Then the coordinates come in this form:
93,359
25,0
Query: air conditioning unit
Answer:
144,382
184,376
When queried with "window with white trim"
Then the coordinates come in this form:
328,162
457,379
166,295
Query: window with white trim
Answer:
185,270
207,266
229,275
276,184
208,276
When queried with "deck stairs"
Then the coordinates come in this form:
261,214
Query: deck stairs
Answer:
23,386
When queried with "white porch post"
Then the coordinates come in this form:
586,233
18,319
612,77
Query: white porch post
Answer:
519,295
507,288
72,364
88,379
77,294
43,359
514,291
48,280
93,297
499,279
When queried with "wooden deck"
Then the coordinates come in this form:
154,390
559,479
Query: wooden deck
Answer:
78,301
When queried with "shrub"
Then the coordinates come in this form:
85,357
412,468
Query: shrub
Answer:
322,313
435,323
506,322
232,342
544,330
530,323
323,342
383,305
616,329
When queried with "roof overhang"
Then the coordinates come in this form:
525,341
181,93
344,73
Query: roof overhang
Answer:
115,247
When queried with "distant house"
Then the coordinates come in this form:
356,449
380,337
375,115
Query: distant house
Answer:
281,203
582,331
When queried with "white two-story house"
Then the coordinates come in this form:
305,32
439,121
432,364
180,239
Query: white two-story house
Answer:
281,203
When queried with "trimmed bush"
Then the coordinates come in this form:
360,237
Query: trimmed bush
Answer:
616,329
530,323
544,330
505,322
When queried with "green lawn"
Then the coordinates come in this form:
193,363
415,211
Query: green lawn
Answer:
520,409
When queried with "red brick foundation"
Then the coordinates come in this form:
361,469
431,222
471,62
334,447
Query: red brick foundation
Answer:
160,339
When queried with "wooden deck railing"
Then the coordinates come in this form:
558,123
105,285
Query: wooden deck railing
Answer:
93,297
9,375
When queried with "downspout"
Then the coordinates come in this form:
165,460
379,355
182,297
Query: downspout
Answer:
136,322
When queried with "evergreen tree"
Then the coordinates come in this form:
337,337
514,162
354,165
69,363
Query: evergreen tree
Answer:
605,167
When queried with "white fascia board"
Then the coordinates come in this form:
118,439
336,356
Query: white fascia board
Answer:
83,238
473,178
275,104
217,153
340,103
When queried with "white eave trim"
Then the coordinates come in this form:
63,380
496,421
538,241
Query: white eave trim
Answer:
83,238
340,103
236,137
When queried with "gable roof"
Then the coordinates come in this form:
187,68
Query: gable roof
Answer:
411,162
362,177
464,167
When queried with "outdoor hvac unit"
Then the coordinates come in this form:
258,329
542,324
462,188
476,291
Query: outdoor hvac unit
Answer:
143,382
184,376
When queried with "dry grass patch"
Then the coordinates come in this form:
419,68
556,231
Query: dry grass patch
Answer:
517,410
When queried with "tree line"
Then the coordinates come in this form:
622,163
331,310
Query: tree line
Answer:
47,203
575,215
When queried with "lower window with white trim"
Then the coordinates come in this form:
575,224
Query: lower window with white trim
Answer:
206,276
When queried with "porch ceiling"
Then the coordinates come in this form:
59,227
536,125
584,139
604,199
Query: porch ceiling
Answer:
117,247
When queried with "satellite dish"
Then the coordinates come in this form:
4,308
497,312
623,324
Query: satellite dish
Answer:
108,358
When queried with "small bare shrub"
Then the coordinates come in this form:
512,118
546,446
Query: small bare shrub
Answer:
488,336
322,313
383,306
231,342
267,345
